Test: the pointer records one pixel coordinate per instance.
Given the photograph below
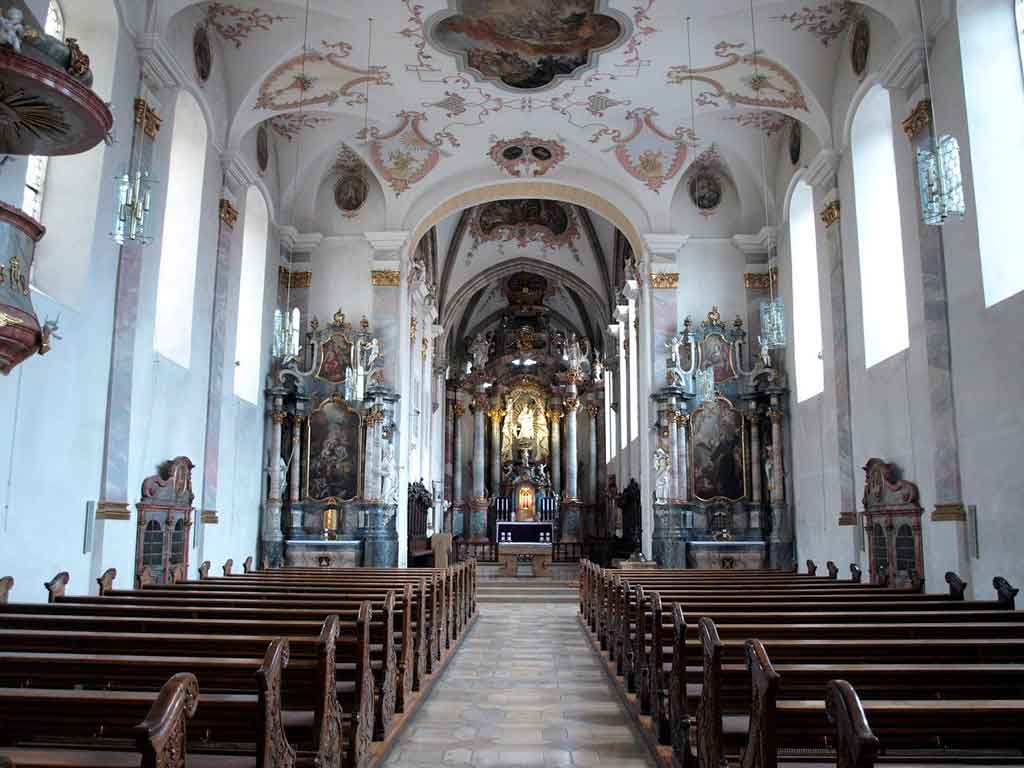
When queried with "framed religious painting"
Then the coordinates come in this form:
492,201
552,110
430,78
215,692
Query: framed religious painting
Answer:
718,452
335,359
334,451
716,353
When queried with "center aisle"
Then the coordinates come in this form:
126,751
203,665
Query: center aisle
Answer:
523,691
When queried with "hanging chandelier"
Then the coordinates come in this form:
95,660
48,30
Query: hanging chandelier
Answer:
133,190
704,384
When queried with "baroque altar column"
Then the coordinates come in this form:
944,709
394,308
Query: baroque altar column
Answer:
756,497
458,505
478,504
682,418
781,540
495,413
571,503
593,409
295,467
555,459
272,536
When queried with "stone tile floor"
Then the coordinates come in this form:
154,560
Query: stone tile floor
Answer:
523,691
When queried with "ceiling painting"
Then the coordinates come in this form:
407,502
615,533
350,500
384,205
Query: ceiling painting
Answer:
527,46
234,24
404,155
646,152
522,222
527,155
318,77
291,124
742,79
826,21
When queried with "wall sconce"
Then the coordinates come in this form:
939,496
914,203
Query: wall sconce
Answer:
133,199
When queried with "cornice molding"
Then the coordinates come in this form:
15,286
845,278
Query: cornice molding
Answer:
238,174
905,69
821,171
294,241
387,242
664,246
160,69
755,245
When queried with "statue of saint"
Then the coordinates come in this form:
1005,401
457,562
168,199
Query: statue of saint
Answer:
524,423
662,465
480,350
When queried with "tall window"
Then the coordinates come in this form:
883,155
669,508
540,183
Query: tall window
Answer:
35,174
992,56
803,246
180,244
248,336
634,374
879,233
623,376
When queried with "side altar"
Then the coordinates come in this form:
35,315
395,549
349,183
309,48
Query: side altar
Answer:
720,496
331,493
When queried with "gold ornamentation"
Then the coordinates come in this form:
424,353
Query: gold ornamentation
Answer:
775,415
385,278
6,320
571,404
458,409
289,279
682,418
593,409
147,117
830,213
847,518
228,213
412,328
480,404
78,62
375,417
555,415
495,414
953,511
758,281
114,510
714,317
364,323
209,516
278,417
919,119
664,279
424,347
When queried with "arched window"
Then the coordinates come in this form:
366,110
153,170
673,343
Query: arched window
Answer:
248,335
992,56
803,246
293,347
879,231
35,174
180,243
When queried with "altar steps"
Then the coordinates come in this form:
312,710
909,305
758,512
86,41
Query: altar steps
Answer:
526,589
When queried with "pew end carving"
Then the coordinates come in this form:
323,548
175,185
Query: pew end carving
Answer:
145,578
761,751
957,586
228,565
6,585
274,750
204,570
56,586
812,568
247,565
161,737
1007,594
327,715
833,570
106,581
709,714
856,746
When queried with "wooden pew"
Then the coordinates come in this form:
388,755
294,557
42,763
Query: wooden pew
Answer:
88,719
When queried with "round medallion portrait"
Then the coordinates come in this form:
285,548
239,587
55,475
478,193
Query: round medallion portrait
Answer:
202,53
706,191
541,153
350,193
512,153
860,47
262,148
795,140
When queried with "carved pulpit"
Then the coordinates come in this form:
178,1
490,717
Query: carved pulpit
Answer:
892,522
165,519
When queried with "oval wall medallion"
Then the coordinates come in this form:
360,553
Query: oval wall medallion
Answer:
860,47
706,191
262,147
795,141
350,193
527,155
202,54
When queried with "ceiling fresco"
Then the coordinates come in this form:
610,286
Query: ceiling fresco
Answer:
548,223
526,45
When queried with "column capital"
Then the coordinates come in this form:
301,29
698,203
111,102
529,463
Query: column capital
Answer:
495,415
759,244
593,409
572,404
775,415
480,404
555,414
238,174
821,171
278,417
459,409
906,69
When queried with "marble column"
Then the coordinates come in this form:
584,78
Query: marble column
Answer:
555,459
780,542
495,415
592,410
672,425
272,535
458,410
755,455
683,447
571,503
295,469
478,504
371,465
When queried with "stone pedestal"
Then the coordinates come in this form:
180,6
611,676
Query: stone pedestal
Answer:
726,555
380,539
571,511
312,553
477,528
668,547
272,551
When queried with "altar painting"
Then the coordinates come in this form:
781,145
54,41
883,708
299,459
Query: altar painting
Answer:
716,353
335,359
718,452
333,451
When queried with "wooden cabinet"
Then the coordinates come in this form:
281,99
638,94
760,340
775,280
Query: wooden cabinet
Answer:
892,523
165,520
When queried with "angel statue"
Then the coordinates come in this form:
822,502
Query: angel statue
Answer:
662,465
577,352
598,368
480,350
675,373
12,27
